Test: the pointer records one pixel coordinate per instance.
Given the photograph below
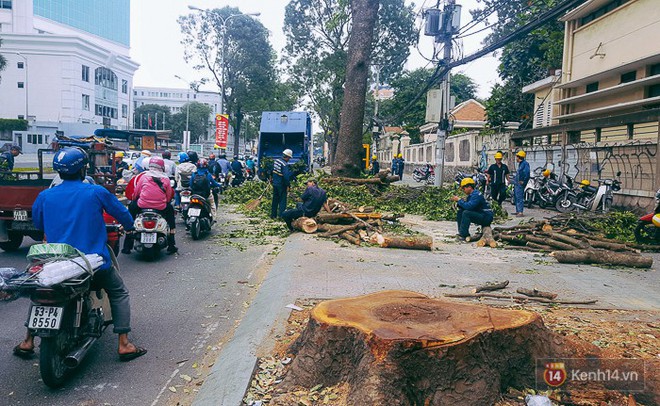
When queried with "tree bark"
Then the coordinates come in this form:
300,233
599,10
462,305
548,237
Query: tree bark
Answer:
348,158
603,257
305,225
487,238
331,217
422,242
237,130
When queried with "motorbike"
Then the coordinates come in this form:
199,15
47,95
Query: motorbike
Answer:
480,180
199,219
114,230
425,174
648,231
68,317
185,203
151,231
591,198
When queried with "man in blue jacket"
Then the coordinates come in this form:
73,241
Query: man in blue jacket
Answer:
7,158
472,209
281,181
522,177
72,213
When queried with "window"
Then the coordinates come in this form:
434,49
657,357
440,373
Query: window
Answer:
106,78
21,117
655,70
29,138
40,139
124,111
629,77
85,73
5,4
21,85
592,87
124,86
85,102
105,111
654,91
602,11
20,65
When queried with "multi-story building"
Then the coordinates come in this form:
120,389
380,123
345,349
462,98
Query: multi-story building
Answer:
68,66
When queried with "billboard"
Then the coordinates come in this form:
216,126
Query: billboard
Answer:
221,130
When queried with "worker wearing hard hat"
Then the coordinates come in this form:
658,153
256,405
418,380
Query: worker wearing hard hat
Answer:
281,180
497,174
473,208
400,167
375,166
522,177
120,165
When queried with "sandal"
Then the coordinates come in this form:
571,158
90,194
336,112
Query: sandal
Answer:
23,353
132,355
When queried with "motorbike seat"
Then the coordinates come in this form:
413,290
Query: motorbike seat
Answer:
590,189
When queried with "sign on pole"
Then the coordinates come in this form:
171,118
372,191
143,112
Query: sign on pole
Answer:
221,130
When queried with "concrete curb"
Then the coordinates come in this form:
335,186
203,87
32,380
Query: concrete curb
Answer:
230,376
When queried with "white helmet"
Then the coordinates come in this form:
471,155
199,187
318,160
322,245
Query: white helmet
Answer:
288,152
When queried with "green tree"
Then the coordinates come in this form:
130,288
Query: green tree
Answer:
155,112
523,61
250,77
198,122
316,52
462,87
3,61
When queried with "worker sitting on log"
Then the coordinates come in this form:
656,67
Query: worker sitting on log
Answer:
472,209
313,199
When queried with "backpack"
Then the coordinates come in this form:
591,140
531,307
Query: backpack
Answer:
200,186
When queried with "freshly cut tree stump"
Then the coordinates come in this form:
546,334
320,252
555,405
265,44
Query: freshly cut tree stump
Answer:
487,238
404,348
603,257
305,224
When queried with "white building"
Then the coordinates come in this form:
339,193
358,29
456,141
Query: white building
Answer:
68,66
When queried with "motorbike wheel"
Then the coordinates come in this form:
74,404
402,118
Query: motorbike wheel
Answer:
52,352
14,243
430,180
565,203
195,229
529,200
647,233
607,205
417,178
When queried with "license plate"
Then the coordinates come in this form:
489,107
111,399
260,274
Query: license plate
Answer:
194,212
148,238
47,317
20,215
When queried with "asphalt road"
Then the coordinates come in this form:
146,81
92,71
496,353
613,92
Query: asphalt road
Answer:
182,306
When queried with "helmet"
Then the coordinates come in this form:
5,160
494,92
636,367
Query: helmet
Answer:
400,155
585,182
521,154
374,157
146,152
467,181
193,156
70,160
212,156
183,157
166,155
119,154
157,163
547,173
499,155
202,163
288,152
656,220
236,157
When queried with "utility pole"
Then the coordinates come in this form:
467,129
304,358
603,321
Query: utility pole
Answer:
449,23
378,68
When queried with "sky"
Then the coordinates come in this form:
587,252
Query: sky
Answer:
156,40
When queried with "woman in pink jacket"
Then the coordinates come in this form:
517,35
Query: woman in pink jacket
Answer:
153,191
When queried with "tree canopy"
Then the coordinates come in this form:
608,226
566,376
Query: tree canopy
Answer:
159,115
198,121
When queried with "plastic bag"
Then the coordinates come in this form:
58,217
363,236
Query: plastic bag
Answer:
536,400
6,274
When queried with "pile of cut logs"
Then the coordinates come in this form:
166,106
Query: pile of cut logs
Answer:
358,225
381,178
567,245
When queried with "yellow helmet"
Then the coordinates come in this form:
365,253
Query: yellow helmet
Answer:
119,154
467,181
547,173
400,155
498,155
521,154
374,157
656,220
585,182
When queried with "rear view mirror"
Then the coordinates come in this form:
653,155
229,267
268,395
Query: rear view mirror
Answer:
618,174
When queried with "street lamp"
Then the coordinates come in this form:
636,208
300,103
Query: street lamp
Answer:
223,29
186,138
26,85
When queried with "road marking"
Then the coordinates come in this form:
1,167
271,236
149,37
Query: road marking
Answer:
176,371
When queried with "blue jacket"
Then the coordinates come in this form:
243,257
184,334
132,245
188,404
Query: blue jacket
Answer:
204,172
475,201
281,173
8,159
72,213
225,166
523,172
395,166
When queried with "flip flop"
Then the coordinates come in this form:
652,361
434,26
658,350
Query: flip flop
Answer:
23,353
139,351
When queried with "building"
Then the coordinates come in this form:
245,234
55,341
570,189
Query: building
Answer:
68,67
601,114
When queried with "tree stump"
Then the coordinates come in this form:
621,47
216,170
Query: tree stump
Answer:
305,225
400,347
487,238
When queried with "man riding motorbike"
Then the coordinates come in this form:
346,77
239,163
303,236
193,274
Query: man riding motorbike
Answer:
170,166
182,177
72,213
237,172
225,167
203,188
153,191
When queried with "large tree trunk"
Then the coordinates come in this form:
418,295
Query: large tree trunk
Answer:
403,348
237,131
348,159
603,257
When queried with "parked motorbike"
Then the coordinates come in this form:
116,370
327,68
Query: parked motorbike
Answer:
591,198
151,231
199,219
424,174
480,181
69,318
648,226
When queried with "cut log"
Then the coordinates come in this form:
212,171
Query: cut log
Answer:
305,225
335,230
393,178
350,238
332,217
612,246
487,238
492,286
403,348
421,242
366,209
520,298
603,257
540,247
549,242
536,293
568,240
513,239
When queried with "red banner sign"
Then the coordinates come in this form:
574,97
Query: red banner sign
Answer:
221,130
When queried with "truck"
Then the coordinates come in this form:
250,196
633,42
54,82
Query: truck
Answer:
280,130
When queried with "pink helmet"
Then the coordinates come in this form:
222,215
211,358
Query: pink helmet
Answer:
157,163
203,163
